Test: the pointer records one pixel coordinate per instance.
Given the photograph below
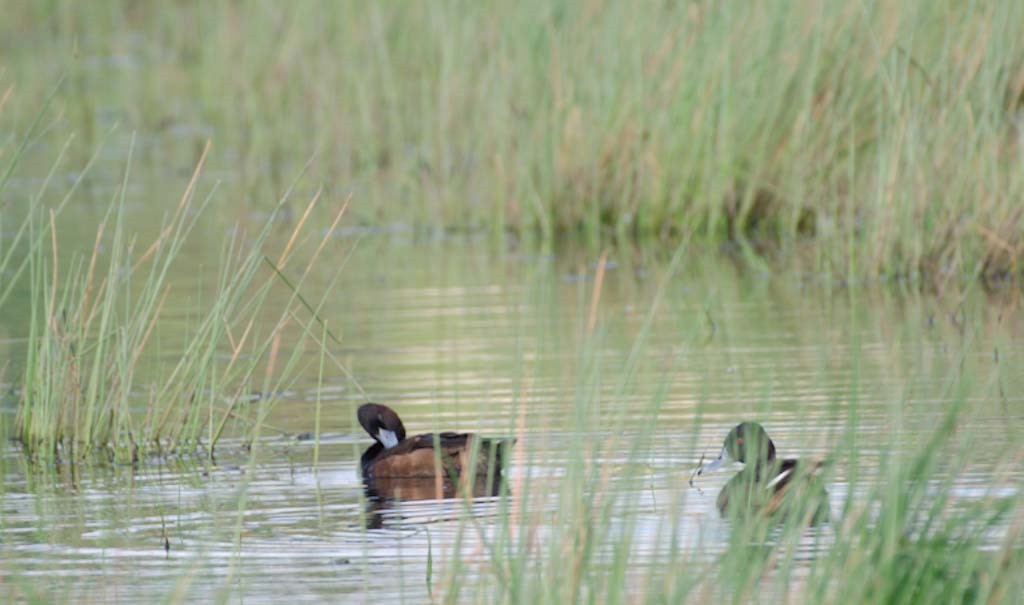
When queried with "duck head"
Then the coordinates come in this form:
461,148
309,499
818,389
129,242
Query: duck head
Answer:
382,423
747,442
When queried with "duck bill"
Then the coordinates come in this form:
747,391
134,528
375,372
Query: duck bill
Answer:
717,463
387,438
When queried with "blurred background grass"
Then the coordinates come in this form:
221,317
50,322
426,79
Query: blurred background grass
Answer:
872,139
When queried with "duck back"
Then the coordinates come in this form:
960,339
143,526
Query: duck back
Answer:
421,456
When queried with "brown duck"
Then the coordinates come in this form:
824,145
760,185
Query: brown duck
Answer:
412,463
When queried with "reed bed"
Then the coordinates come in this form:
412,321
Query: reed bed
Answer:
872,140
92,317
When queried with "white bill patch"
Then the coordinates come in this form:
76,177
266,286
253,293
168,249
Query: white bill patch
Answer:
387,438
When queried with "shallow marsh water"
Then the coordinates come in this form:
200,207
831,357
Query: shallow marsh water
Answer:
457,336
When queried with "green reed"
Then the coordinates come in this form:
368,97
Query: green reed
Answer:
878,139
92,318
902,536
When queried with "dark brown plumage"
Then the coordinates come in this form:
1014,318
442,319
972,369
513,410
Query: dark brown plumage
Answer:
442,459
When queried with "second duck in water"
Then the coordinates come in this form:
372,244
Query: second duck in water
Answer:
428,465
767,484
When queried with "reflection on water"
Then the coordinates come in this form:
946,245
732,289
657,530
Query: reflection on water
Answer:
498,344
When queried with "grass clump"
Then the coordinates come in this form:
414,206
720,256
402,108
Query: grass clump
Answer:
86,387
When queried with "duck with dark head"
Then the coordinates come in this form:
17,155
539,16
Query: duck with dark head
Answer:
427,466
767,484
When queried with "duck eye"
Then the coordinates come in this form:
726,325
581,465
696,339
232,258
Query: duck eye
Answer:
739,440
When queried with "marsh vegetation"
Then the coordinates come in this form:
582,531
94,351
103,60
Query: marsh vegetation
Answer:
874,140
609,231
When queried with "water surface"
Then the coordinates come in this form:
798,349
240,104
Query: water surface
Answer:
457,336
